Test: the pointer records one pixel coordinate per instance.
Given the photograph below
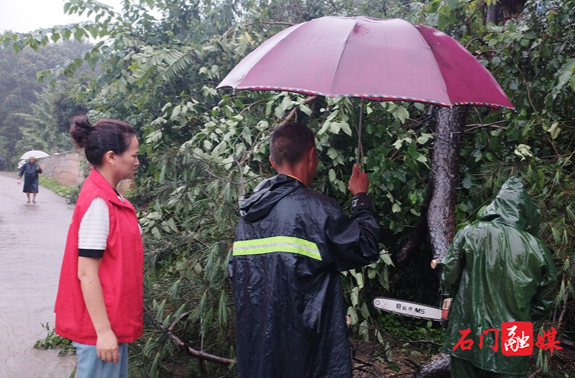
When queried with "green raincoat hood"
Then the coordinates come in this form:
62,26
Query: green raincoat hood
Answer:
514,207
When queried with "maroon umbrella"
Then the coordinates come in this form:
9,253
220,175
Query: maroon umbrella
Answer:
382,60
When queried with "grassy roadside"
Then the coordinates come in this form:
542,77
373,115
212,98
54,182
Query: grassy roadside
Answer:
56,187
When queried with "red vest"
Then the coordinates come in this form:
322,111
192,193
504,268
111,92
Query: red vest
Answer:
121,270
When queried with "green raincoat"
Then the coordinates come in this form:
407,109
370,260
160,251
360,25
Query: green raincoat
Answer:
498,271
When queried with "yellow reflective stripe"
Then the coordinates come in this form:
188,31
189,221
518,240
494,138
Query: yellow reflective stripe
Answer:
277,244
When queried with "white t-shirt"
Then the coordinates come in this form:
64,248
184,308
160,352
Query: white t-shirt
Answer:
94,229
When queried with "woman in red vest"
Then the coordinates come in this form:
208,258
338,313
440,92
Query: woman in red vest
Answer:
99,302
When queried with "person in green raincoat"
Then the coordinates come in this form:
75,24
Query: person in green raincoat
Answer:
498,271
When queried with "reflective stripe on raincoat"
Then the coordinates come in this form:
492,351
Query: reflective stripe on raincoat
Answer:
290,246
499,271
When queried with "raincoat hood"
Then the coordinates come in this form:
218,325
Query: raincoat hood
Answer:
514,207
266,195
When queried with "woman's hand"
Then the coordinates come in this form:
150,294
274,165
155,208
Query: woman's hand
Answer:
107,346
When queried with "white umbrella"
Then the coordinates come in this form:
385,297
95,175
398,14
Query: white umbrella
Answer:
37,154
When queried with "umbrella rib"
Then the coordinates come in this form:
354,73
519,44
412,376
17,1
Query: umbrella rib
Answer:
340,55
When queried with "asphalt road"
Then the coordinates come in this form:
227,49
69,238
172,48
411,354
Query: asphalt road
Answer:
32,239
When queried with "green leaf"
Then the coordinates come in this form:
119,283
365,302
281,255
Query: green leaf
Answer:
396,208
345,127
334,127
424,138
66,33
324,127
386,258
359,278
332,153
400,113
565,76
305,109
331,175
352,315
434,6
554,130
354,296
422,158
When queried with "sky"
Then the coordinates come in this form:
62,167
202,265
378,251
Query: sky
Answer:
27,15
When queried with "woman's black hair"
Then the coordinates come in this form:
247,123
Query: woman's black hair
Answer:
106,135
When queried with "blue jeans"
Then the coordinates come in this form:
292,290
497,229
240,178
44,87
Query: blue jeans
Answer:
90,366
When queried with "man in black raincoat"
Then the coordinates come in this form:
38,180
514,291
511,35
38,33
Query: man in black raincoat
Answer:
291,244
499,271
31,169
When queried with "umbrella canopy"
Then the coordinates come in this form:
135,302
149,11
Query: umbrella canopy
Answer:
36,153
382,60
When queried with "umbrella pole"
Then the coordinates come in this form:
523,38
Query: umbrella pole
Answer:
359,147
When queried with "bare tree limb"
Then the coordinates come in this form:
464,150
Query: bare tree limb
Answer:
176,340
294,110
474,126
536,373
535,110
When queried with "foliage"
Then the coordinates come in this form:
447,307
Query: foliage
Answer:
53,341
19,89
47,127
415,329
201,149
59,189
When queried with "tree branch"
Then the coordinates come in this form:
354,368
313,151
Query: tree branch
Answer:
536,373
474,126
533,107
192,352
473,40
294,110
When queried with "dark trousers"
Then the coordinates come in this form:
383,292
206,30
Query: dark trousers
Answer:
465,369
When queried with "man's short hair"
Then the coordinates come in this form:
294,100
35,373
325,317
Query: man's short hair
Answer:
290,142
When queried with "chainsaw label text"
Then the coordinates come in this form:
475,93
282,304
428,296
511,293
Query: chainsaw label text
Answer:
418,310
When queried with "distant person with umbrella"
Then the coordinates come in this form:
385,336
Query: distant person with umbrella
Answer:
31,169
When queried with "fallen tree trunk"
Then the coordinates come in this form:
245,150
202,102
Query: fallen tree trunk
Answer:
443,177
438,367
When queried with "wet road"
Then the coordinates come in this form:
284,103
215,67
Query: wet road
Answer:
32,239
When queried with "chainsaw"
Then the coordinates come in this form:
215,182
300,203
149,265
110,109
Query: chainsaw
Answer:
414,310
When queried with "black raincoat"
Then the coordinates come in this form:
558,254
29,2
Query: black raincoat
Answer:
290,246
499,271
31,179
